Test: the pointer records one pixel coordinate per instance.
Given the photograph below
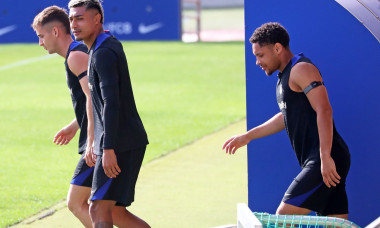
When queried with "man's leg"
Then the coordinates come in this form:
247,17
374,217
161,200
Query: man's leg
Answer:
79,192
106,192
343,216
123,218
287,209
101,213
77,202
338,203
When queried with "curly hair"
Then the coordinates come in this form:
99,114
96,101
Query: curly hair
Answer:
270,33
50,14
89,4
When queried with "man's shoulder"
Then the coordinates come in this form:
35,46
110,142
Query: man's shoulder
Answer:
104,53
81,47
111,43
304,68
303,73
77,61
76,46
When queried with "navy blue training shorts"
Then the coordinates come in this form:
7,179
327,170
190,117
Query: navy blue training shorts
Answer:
83,174
122,188
309,191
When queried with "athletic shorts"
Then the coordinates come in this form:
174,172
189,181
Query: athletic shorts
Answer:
122,188
83,174
309,191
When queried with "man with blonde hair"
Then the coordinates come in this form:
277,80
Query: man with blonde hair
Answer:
52,26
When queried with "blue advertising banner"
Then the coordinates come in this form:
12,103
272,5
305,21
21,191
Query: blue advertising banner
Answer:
127,20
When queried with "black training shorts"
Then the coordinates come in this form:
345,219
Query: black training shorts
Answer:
122,188
83,174
309,191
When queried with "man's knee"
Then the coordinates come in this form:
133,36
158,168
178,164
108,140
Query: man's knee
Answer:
288,209
94,208
281,210
77,198
71,204
100,207
75,205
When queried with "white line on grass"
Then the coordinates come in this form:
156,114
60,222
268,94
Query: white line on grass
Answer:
27,61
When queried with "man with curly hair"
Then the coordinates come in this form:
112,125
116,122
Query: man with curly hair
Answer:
306,114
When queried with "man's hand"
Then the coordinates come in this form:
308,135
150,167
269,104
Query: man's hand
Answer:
90,157
111,169
64,136
329,174
235,142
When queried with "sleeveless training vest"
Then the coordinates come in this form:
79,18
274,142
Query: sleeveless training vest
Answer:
301,119
77,96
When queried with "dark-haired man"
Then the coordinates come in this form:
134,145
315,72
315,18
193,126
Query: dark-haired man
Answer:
52,26
119,136
307,116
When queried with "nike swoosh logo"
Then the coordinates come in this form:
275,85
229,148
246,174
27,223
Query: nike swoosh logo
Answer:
144,29
7,29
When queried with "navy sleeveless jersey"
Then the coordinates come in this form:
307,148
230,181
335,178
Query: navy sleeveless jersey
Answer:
301,121
77,96
117,124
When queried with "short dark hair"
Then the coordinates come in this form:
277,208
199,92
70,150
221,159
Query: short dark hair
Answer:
89,4
270,33
50,14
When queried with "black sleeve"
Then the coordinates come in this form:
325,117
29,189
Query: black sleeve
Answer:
106,67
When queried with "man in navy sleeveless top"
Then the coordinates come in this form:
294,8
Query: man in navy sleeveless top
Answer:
306,114
119,136
52,26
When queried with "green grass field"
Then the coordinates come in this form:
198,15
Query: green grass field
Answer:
183,92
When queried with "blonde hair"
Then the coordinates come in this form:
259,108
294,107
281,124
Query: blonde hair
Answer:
50,14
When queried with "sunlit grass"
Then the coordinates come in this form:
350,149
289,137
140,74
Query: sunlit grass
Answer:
182,91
